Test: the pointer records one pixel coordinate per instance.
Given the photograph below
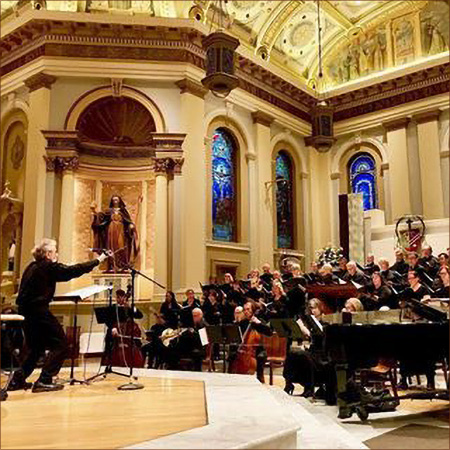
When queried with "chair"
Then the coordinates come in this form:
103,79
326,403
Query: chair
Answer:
209,359
276,348
384,371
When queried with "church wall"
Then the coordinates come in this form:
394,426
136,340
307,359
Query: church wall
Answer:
444,139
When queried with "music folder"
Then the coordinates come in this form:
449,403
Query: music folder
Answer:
287,328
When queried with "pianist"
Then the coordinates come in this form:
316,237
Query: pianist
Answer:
42,329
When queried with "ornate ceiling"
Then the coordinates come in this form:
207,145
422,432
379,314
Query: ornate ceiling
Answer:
361,39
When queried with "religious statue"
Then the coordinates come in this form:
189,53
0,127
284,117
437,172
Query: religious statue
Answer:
114,230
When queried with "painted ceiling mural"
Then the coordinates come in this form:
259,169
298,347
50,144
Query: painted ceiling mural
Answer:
360,38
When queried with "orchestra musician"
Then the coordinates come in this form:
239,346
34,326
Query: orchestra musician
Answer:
42,330
250,323
170,310
310,367
153,351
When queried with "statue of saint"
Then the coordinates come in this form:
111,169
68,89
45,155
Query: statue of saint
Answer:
114,230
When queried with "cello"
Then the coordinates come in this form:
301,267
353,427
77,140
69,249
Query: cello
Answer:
126,350
245,362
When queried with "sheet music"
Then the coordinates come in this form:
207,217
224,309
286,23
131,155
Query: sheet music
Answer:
87,291
341,281
203,336
357,285
317,322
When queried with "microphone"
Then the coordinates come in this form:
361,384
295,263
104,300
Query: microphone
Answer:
99,251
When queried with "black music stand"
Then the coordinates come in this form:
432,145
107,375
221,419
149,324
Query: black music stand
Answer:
75,299
287,328
131,386
108,315
224,335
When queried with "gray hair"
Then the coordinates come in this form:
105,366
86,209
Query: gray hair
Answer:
40,251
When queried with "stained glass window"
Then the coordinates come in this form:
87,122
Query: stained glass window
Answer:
363,179
223,186
284,200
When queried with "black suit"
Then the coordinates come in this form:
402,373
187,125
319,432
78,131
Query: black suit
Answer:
42,329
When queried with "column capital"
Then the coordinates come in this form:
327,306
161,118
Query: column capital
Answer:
192,87
262,118
427,116
396,124
304,175
168,166
250,156
38,81
69,163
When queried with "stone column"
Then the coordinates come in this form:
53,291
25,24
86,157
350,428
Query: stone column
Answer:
320,186
162,168
387,193
445,168
35,206
266,188
398,162
430,164
190,192
67,166
253,209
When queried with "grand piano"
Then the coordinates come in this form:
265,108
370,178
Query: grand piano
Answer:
360,346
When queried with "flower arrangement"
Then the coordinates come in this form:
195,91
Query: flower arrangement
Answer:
329,255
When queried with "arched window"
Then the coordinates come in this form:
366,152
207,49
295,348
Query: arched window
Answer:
224,201
362,175
284,200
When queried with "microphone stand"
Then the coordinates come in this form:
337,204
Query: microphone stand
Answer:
131,386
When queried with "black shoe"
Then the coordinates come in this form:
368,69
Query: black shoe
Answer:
307,393
320,393
46,387
19,385
289,388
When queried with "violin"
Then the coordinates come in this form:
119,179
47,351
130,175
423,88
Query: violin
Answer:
245,362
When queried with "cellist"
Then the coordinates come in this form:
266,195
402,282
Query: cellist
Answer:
251,328
122,333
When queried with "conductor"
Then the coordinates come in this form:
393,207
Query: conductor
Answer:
42,329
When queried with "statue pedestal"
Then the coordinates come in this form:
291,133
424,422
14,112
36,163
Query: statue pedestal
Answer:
117,280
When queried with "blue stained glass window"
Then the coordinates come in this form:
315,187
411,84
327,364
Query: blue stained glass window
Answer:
363,179
284,200
223,186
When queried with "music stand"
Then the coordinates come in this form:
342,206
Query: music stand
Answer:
287,328
75,297
224,335
108,315
130,386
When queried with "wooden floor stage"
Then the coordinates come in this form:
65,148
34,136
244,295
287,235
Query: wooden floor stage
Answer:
100,416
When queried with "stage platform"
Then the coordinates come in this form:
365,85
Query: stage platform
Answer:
174,410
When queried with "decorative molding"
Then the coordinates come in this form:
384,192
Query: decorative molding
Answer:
427,116
116,87
388,94
262,118
335,176
384,166
304,175
163,165
250,156
445,154
192,87
38,81
396,124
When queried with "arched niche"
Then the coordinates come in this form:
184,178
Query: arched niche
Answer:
89,98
